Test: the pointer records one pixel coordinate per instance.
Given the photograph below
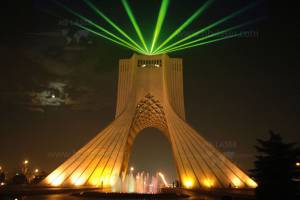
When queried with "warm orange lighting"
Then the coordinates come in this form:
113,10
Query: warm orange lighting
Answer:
208,183
113,178
55,179
94,182
112,181
251,183
236,182
75,179
78,179
103,181
298,164
98,178
188,183
26,162
106,181
36,170
131,169
58,181
51,177
79,182
0,168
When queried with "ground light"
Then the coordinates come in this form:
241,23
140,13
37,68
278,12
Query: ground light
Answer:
188,183
171,43
251,183
208,183
236,182
58,181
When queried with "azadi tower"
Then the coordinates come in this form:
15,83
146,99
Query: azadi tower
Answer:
150,94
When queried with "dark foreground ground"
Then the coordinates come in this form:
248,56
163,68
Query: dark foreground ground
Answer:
29,193
71,197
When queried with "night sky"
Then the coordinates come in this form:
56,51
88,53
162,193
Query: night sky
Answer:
57,91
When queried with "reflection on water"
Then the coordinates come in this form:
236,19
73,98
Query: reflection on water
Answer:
59,197
70,197
43,197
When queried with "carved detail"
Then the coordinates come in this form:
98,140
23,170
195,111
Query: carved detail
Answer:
149,113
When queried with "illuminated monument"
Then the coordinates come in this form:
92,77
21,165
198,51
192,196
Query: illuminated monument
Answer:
150,94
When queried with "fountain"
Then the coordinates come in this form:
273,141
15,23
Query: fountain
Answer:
141,183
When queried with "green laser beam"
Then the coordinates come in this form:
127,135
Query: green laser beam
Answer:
108,38
113,24
214,34
204,38
207,42
235,14
187,42
200,11
134,23
160,20
93,24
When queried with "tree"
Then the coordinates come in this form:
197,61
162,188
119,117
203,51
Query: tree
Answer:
2,177
19,179
39,178
275,168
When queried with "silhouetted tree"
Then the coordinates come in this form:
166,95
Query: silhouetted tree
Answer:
39,178
2,177
19,179
275,169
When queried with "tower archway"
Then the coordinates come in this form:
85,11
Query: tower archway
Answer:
150,94
151,153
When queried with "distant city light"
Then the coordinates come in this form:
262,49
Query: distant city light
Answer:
298,164
53,96
131,169
36,170
0,168
26,162
2,183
